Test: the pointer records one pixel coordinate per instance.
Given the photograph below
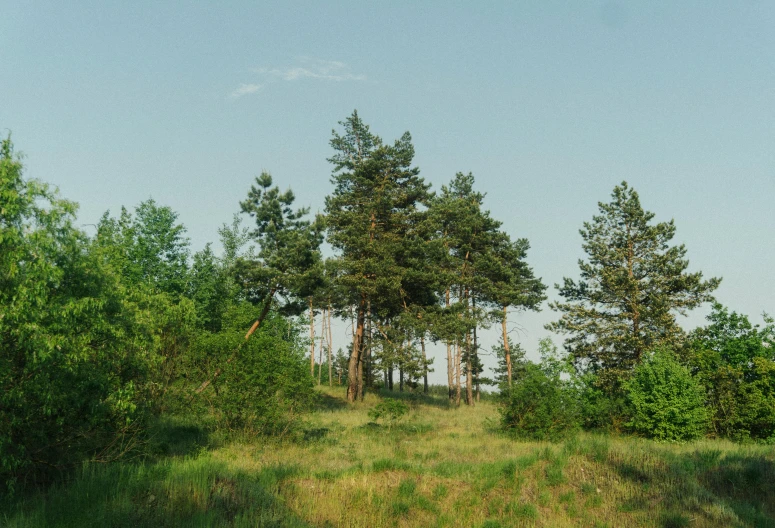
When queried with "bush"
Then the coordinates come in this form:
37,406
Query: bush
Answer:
390,410
540,405
667,402
736,362
267,386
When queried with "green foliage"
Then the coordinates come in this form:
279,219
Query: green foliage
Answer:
267,386
80,351
148,249
540,404
389,410
632,285
736,362
372,219
667,402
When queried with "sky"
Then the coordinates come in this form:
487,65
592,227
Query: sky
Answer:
549,105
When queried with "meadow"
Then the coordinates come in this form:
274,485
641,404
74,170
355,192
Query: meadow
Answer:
437,466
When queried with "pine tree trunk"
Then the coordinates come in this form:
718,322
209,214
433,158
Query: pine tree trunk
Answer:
390,378
367,375
457,372
424,366
353,368
323,336
506,348
450,364
400,378
330,341
469,377
311,340
450,373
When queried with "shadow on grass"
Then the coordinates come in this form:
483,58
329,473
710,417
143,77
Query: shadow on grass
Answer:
173,493
327,402
179,436
736,489
415,398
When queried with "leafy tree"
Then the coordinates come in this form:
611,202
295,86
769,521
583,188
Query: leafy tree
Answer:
632,286
736,362
370,215
667,402
78,349
149,248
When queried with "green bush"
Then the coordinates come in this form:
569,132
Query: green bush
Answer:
390,410
540,405
266,387
667,402
736,362
81,352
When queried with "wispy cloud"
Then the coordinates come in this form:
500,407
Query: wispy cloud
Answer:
314,69
308,68
245,89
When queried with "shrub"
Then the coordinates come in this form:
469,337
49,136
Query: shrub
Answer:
390,410
267,386
736,362
539,406
667,402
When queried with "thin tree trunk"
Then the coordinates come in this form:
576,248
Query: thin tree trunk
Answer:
424,366
475,354
457,373
506,348
256,324
450,365
311,339
390,378
469,376
323,336
469,384
330,341
400,378
450,373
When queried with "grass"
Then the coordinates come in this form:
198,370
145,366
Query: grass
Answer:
437,467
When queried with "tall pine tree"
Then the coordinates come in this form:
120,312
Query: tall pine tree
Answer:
632,286
370,215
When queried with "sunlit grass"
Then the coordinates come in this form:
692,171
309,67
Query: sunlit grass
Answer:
436,467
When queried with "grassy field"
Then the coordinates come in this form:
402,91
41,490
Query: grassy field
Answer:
436,467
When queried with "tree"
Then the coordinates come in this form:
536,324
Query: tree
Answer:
209,289
632,286
79,347
370,215
288,258
735,360
509,283
150,248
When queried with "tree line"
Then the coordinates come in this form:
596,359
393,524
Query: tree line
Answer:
102,334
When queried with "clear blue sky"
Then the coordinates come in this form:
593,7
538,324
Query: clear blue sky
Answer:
549,104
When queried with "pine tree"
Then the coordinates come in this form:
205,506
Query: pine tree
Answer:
370,215
508,283
632,286
288,260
